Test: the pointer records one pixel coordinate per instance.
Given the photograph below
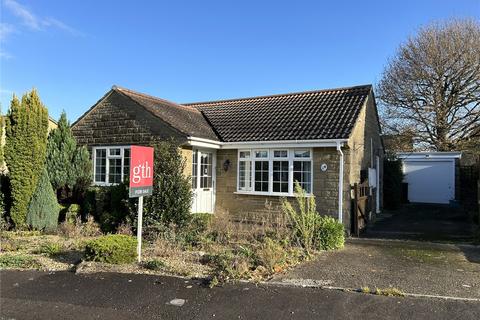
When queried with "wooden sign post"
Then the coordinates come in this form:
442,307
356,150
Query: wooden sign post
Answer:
141,184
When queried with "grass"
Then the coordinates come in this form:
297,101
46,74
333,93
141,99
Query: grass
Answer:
51,249
9,261
388,292
154,265
421,255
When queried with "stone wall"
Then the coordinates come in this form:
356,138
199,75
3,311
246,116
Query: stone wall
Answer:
365,144
244,206
117,120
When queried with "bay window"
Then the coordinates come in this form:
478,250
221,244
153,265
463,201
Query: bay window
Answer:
274,171
111,165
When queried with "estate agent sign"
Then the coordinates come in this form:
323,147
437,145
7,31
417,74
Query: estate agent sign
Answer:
141,171
141,184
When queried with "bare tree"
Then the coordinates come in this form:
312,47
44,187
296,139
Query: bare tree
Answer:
432,87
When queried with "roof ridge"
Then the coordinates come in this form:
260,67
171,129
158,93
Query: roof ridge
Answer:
279,95
148,96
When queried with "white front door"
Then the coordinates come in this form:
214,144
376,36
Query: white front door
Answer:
203,180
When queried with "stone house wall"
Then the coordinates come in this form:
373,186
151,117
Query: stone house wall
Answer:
365,144
117,120
250,207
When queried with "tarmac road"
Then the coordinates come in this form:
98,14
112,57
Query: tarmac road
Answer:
65,295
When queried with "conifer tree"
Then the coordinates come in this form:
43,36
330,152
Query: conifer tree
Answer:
1,141
43,209
68,166
25,151
60,152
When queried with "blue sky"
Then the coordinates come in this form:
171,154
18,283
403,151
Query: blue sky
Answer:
74,51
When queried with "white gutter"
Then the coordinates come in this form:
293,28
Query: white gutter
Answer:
201,142
340,184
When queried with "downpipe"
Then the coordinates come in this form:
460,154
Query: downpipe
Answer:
340,184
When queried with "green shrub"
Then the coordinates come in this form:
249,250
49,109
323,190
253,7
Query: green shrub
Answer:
25,150
112,206
229,266
50,249
72,213
5,201
113,248
193,234
154,264
172,195
302,218
9,261
270,254
44,209
329,233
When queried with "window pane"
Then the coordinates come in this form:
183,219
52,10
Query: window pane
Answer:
261,154
244,175
206,170
100,165
115,170
302,154
280,176
126,164
245,154
261,176
302,172
280,154
115,151
194,169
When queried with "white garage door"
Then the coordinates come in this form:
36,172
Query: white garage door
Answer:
430,181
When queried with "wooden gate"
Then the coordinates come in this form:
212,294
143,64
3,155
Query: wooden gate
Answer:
362,206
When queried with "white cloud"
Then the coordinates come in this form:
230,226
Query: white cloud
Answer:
35,22
5,30
52,22
5,55
27,17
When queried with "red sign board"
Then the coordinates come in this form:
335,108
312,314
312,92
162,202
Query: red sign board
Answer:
141,171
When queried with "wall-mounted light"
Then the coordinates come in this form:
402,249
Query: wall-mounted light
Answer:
226,165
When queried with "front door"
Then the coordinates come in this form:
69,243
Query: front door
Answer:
203,180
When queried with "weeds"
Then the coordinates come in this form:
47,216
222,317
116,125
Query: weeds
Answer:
154,265
9,261
389,292
304,219
50,249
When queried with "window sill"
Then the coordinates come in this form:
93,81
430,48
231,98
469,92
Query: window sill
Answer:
269,194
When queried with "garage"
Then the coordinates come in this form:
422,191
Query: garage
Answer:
430,176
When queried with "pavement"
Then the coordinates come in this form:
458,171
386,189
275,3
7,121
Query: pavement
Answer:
65,295
419,249
410,266
423,222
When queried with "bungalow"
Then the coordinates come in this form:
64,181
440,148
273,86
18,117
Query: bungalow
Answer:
245,153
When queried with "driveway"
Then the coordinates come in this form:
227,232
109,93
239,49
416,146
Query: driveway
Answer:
410,266
65,295
423,222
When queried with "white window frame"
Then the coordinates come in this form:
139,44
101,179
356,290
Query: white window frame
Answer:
290,157
107,164
247,160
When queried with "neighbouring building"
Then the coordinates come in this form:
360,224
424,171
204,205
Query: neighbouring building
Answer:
245,154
